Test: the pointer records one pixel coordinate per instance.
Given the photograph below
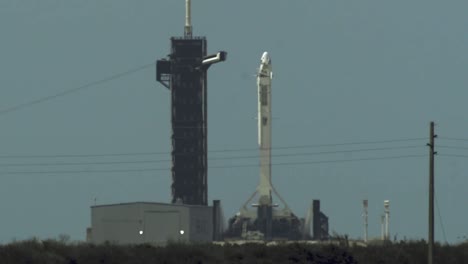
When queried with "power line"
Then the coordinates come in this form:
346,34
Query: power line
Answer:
82,155
81,163
454,139
452,147
167,160
317,145
212,167
83,171
328,144
321,161
453,155
212,151
73,90
319,153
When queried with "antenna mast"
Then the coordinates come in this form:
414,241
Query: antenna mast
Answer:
188,19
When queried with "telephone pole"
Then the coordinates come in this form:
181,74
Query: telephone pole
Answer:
365,204
431,145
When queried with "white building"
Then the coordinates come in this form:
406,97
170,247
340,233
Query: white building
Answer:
147,222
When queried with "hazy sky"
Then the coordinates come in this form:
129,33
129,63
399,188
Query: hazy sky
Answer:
345,71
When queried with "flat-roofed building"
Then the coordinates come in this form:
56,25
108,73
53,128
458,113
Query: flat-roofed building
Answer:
149,222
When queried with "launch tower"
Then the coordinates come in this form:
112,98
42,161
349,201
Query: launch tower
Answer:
184,73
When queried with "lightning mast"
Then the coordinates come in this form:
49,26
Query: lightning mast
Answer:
188,19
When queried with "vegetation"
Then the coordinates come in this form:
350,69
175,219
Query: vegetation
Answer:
60,251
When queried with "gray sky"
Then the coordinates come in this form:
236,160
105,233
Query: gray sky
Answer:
345,71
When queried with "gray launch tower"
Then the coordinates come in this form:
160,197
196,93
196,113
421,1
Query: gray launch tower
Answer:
184,73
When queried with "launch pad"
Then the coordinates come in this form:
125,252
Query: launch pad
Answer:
188,218
263,219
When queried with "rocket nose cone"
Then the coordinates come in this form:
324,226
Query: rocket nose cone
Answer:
265,58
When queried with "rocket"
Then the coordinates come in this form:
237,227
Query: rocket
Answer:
267,217
265,189
264,77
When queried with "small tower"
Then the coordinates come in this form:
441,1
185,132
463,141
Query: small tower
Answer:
387,216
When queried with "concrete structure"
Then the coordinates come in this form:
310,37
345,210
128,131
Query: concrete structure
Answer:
155,223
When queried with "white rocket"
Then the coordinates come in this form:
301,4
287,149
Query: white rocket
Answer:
264,77
265,189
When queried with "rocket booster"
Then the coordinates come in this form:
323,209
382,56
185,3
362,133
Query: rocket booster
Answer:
265,189
264,78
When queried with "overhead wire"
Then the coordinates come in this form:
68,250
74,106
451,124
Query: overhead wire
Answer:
455,148
81,155
80,163
83,171
222,150
131,71
452,155
168,160
319,153
452,147
322,161
328,144
213,167
454,139
197,153
73,90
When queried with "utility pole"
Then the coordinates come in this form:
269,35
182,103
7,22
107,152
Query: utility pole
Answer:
365,204
431,145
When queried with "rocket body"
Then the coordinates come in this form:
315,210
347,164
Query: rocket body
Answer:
270,219
264,78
